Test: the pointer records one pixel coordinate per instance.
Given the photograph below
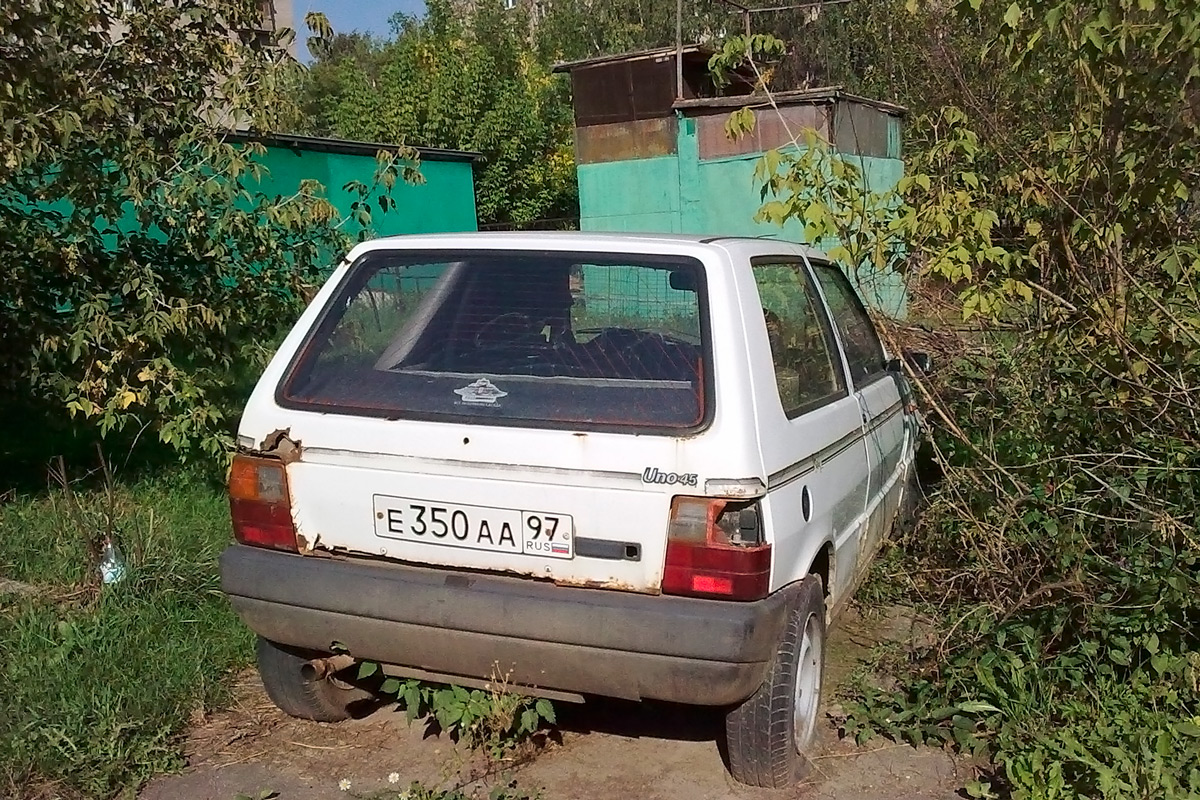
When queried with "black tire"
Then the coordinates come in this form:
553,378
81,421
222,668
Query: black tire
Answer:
764,746
321,700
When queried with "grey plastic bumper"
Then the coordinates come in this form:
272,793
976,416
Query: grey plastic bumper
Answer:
590,641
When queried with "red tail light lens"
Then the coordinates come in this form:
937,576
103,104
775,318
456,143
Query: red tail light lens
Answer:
260,505
708,554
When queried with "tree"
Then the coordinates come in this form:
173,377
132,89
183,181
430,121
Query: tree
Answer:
141,270
578,29
470,83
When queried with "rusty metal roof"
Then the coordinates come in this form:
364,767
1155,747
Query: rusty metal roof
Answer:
346,146
688,50
820,95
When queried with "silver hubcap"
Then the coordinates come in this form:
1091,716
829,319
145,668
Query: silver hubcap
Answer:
807,701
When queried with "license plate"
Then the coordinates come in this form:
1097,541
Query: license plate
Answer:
497,530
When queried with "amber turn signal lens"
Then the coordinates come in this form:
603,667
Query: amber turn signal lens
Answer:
262,479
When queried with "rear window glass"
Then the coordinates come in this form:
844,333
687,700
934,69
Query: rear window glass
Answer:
512,338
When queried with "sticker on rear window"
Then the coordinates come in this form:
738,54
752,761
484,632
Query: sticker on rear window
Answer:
481,392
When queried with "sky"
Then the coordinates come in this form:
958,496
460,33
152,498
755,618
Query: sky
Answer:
368,16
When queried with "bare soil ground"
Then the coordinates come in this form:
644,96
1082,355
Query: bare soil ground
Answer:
602,750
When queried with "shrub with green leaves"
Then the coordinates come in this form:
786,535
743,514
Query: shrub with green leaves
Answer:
142,268
1060,551
470,81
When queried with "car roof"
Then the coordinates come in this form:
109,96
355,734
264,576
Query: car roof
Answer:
579,240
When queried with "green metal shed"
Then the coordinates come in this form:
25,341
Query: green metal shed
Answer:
444,203
652,159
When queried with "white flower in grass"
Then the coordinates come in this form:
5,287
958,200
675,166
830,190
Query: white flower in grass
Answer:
344,784
394,777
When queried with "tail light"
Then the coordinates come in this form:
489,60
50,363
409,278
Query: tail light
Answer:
259,503
715,549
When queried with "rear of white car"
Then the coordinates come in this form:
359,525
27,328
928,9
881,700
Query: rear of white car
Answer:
545,457
477,435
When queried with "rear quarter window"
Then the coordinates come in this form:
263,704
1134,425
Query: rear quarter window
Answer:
808,372
522,338
860,341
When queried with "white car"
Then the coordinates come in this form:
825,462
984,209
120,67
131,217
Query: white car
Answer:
633,466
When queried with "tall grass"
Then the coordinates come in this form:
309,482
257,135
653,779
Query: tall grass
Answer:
100,680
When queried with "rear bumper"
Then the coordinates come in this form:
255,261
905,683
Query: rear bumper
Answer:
590,641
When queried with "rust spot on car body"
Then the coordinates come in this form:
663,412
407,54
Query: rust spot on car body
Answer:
611,584
303,545
279,444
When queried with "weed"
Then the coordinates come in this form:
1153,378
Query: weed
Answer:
493,719
1067,651
887,580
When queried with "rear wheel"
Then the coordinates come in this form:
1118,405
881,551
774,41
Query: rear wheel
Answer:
772,735
319,699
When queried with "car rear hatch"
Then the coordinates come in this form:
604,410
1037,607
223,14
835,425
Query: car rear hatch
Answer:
504,411
555,516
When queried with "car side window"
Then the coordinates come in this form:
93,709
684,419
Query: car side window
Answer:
864,353
807,372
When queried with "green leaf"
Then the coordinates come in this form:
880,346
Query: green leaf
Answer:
545,709
771,161
1012,17
1187,728
980,789
366,669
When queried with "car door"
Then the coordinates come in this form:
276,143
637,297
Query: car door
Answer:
878,395
810,430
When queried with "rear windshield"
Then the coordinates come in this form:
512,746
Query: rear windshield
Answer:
513,338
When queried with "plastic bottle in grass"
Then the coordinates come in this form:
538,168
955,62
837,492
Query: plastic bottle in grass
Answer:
112,563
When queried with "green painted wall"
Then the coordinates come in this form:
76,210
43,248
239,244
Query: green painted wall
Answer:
640,195
718,197
444,203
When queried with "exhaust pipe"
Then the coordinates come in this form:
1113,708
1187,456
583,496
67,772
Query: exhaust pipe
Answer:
321,668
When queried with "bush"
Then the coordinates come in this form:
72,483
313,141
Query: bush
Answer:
1068,587
470,81
141,268
1060,550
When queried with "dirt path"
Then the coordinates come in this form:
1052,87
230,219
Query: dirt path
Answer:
603,750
